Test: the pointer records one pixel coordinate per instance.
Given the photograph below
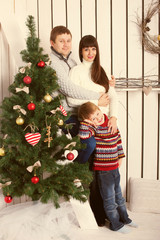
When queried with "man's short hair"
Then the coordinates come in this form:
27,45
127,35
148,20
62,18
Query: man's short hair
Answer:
86,109
58,30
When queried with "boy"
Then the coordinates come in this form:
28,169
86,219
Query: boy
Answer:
107,160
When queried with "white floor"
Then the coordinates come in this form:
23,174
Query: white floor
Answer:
31,221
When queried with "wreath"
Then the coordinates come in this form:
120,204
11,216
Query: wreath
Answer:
150,42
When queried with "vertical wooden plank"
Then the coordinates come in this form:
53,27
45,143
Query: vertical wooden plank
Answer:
74,26
59,12
150,133
45,24
158,150
31,9
21,15
119,69
88,17
134,97
1,96
150,108
5,66
104,34
122,111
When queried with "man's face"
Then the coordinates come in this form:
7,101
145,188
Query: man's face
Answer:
63,44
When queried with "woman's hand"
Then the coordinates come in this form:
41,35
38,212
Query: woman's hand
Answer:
103,100
112,81
112,124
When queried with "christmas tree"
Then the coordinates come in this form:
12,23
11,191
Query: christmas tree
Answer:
36,157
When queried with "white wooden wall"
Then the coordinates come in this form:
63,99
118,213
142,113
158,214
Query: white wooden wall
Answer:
113,23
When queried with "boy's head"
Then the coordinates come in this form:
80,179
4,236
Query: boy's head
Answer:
90,111
61,40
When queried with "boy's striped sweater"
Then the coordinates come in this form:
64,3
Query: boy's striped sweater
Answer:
108,146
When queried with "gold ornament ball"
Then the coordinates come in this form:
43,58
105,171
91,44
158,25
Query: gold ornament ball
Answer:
2,152
158,37
19,121
60,122
47,98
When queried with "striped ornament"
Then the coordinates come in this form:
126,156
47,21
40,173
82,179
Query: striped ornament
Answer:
63,110
33,138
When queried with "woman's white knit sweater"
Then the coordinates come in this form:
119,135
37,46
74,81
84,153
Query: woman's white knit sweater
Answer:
81,76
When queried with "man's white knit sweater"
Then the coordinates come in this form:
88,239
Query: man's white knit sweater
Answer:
81,76
62,67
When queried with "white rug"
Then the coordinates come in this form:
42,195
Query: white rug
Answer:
31,221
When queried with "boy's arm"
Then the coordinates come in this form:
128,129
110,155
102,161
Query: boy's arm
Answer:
86,130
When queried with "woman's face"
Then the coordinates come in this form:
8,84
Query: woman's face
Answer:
89,53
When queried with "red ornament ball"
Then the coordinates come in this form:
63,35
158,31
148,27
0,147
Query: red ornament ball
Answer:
8,199
70,156
31,106
27,80
35,179
41,64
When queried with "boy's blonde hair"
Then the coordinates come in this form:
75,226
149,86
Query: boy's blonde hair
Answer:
86,109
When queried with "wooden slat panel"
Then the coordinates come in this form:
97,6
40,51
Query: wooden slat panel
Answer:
88,17
59,12
134,98
74,26
1,92
119,68
104,34
5,66
150,109
150,136
45,24
21,15
31,9
122,127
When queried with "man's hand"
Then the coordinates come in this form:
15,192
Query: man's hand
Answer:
112,81
112,124
103,100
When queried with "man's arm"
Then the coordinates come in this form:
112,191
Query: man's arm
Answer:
68,88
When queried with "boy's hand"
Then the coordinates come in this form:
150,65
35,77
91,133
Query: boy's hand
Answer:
119,161
112,124
90,122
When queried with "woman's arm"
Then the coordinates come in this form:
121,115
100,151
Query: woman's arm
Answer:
113,109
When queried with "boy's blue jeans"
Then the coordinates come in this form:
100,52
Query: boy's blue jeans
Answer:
83,154
114,203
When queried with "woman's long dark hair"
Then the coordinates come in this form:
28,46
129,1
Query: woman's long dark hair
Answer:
98,74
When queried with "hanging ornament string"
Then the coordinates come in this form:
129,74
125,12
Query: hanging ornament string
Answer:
49,138
34,137
32,126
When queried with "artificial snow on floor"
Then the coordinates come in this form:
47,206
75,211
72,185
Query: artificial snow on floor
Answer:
37,221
